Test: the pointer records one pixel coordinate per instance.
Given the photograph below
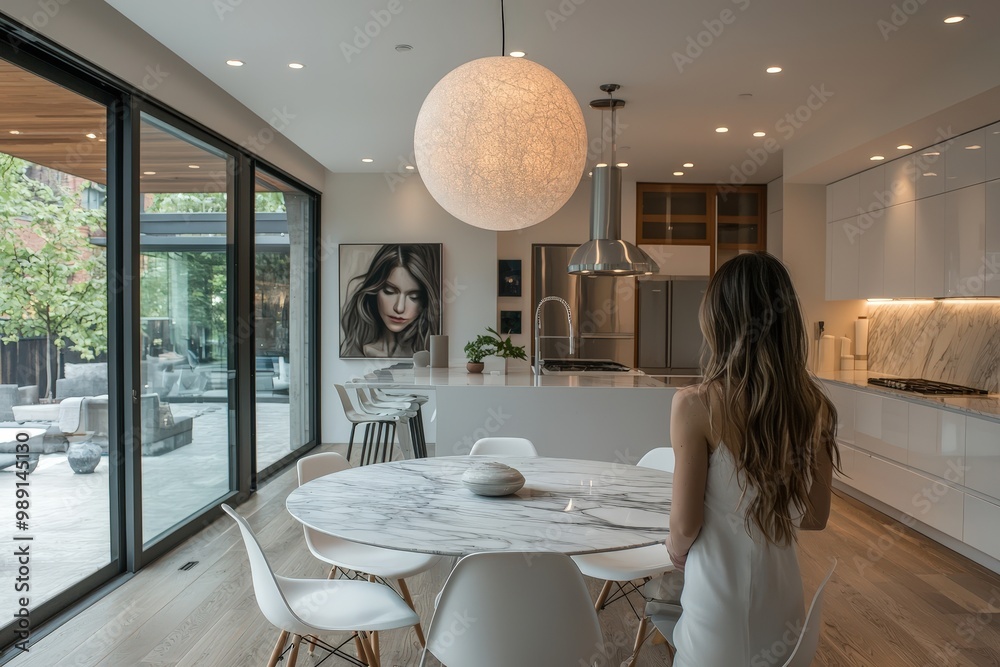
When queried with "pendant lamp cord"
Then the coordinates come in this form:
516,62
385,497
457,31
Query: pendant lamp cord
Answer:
503,32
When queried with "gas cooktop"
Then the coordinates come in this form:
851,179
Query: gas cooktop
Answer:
583,366
922,386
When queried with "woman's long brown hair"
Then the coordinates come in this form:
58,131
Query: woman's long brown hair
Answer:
770,413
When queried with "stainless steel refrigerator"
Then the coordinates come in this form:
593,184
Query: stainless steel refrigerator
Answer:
670,339
603,320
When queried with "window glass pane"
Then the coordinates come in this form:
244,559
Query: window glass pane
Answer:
282,312
54,329
186,359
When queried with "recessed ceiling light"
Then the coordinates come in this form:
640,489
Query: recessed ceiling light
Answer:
958,18
90,135
367,159
760,134
517,54
930,173
15,131
678,173
773,70
876,158
402,48
194,166
410,167
932,154
973,147
720,130
904,147
150,173
689,165
601,164
296,65
235,63
622,164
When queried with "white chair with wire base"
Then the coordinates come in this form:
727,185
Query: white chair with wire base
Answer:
621,568
481,617
503,447
374,562
304,608
380,429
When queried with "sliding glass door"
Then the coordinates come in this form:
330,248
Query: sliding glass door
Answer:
186,352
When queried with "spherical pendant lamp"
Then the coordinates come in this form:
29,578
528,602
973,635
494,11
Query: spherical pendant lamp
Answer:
500,143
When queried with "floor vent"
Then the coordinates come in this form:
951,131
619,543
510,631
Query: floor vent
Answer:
188,565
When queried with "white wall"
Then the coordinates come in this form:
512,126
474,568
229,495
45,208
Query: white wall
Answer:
804,253
364,208
95,31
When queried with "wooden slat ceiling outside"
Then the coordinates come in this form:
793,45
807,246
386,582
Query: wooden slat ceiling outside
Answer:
52,123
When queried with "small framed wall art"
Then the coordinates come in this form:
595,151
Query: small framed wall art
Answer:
509,282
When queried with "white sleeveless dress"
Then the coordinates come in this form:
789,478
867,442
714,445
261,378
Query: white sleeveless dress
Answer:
742,597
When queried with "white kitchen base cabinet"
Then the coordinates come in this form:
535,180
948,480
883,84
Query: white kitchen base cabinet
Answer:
982,457
982,525
936,442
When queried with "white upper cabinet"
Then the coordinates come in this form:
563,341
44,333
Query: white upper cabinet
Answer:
929,235
965,161
843,240
900,180
900,251
928,170
993,152
871,260
871,190
992,254
843,199
965,241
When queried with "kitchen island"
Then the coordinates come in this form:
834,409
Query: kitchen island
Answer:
616,417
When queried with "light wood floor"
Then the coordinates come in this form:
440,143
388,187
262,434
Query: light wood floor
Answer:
897,599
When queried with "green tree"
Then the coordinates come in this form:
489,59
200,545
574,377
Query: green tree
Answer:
54,279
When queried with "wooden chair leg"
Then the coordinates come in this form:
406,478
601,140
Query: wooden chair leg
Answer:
406,596
603,596
333,572
640,637
294,654
278,648
360,648
371,651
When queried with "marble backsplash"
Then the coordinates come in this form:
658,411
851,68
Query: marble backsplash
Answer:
947,341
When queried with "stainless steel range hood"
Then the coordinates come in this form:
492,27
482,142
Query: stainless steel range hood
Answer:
606,254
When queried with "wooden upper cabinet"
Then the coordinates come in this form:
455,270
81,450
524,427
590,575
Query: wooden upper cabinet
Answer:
675,214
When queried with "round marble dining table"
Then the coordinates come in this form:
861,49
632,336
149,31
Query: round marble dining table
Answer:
566,505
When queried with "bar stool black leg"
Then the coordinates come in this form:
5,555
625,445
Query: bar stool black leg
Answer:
350,444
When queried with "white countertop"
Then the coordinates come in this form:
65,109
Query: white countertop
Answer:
987,405
431,378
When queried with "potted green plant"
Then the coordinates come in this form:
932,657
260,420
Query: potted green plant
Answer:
492,344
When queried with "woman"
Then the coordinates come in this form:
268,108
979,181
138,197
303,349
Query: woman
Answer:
395,306
755,452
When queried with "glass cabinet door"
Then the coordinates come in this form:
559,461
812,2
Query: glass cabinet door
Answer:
674,214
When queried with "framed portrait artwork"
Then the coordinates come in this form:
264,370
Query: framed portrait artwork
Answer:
509,278
390,299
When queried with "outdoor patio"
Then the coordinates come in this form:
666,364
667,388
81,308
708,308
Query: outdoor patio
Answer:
69,515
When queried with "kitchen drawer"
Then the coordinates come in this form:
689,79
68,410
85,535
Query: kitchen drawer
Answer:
929,501
982,456
982,520
881,426
936,442
843,400
846,465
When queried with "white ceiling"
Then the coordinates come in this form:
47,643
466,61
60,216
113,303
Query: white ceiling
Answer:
888,86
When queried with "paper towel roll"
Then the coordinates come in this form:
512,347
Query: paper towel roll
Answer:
861,337
845,347
827,354
847,362
439,352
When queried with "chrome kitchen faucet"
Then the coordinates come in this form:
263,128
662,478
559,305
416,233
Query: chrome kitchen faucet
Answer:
538,330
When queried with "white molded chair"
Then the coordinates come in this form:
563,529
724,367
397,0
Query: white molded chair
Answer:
351,556
664,617
503,447
305,607
616,567
509,608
